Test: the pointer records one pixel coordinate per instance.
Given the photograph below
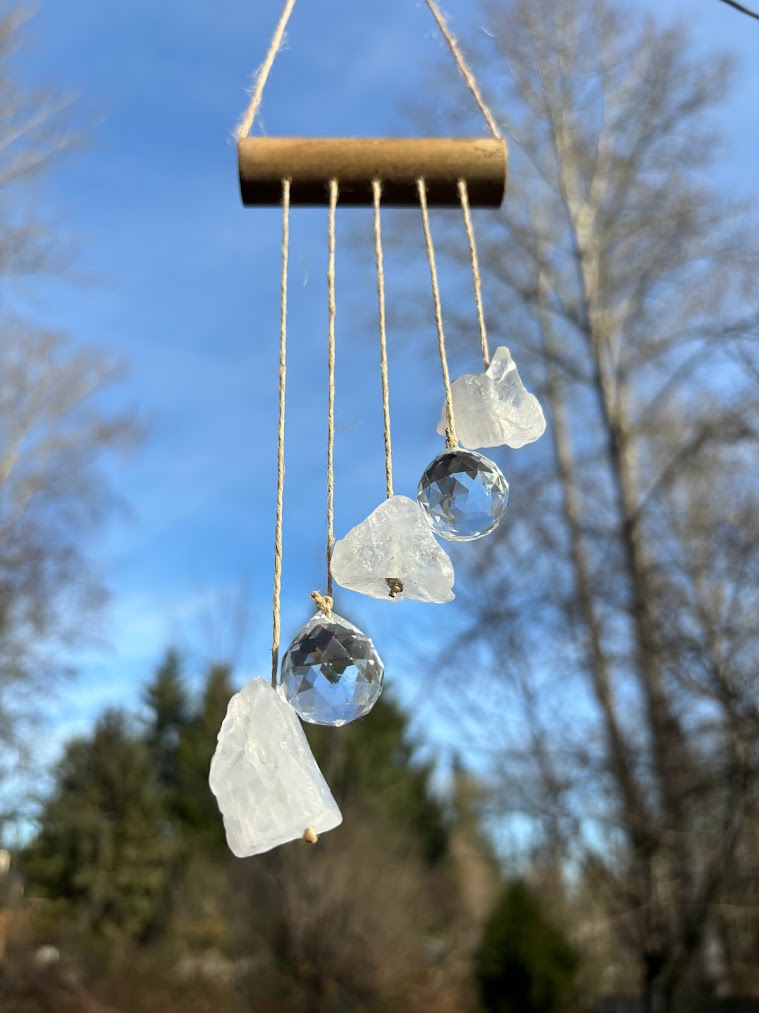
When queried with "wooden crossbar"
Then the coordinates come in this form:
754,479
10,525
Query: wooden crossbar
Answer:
311,162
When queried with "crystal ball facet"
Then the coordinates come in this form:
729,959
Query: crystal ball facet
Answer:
331,674
463,494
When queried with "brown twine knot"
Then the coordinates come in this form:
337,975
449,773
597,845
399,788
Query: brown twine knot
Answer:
395,585
310,836
323,603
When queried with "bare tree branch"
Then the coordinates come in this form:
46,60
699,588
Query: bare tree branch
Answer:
741,8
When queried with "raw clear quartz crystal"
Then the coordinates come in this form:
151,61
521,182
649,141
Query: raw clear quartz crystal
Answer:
393,555
264,776
463,494
493,409
331,673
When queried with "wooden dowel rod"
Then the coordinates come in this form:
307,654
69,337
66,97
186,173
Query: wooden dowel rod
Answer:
311,162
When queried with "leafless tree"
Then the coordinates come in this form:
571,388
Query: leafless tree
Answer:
54,428
617,603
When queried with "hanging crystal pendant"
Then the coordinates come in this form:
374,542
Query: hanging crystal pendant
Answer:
331,673
394,556
264,775
493,409
463,494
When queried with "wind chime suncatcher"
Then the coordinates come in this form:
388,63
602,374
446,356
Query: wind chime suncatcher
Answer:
266,780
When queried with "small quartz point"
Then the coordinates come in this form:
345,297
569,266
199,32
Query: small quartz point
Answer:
393,555
493,409
264,775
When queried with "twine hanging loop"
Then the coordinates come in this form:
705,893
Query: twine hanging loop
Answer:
323,602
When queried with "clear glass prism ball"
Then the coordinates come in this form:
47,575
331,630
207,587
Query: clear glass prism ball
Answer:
463,495
331,674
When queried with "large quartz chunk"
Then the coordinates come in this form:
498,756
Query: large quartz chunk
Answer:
264,775
393,555
493,409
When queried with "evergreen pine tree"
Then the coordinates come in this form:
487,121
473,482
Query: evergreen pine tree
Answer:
104,843
169,711
525,963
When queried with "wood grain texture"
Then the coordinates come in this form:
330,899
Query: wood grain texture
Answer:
356,162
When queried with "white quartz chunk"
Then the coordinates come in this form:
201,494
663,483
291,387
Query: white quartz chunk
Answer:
264,775
493,409
393,555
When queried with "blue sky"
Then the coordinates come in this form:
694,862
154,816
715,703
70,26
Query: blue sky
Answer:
182,283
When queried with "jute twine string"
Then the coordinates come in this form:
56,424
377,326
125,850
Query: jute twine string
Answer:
464,69
474,88
280,433
262,76
333,195
257,92
377,193
450,433
464,196
324,601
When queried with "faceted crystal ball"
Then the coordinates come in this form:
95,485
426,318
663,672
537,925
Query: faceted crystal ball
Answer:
463,494
331,673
